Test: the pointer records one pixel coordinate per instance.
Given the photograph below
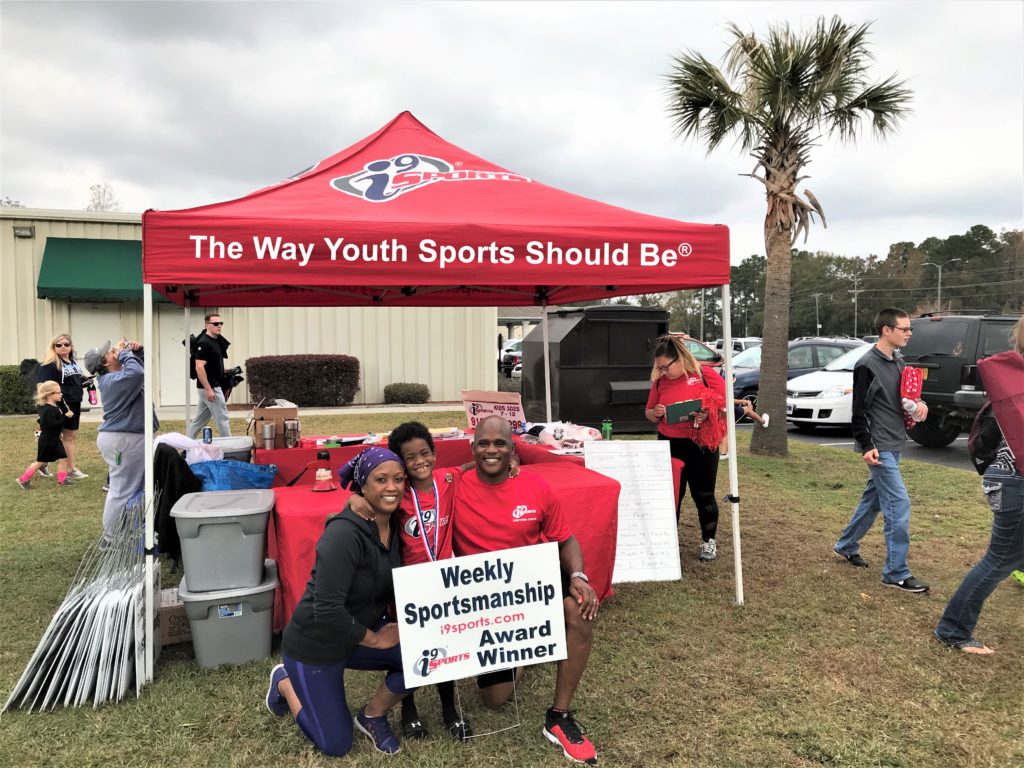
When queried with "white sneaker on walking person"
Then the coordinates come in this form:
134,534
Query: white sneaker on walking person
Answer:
708,550
764,420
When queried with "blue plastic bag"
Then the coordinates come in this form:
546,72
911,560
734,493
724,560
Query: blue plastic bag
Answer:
231,475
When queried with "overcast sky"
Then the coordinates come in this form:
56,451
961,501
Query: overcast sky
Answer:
180,104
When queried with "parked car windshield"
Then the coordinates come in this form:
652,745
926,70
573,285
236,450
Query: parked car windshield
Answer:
845,362
748,358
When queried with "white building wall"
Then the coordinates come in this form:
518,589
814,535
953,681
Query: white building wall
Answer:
447,348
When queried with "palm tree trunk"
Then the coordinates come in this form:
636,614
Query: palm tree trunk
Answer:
771,397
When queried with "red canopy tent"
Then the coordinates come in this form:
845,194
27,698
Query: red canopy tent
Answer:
405,218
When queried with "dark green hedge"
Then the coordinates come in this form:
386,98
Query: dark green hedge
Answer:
306,380
14,391
406,393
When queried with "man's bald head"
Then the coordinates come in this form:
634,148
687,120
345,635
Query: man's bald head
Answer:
492,449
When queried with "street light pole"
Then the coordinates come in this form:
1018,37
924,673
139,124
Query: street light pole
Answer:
939,267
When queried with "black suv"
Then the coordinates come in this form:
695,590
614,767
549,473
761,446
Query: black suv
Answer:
947,348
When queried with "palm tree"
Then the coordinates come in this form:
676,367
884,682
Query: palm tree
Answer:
781,95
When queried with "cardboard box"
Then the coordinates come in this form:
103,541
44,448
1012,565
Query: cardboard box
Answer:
174,626
260,416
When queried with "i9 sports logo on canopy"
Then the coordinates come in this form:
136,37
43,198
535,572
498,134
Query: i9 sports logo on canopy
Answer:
384,180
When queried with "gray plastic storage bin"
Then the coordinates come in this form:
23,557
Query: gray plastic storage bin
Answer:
231,626
223,535
237,448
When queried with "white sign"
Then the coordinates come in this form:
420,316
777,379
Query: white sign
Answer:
481,613
479,405
647,547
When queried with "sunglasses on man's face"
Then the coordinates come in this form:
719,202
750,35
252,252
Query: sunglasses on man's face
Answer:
218,324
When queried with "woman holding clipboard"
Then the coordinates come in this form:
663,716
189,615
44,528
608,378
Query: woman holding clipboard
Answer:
678,387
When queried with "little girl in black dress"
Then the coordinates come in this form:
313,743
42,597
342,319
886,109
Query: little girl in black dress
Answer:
51,422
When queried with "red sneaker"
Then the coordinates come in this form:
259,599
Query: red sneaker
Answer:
562,729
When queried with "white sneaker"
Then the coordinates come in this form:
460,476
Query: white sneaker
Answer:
766,418
708,550
77,474
723,455
44,472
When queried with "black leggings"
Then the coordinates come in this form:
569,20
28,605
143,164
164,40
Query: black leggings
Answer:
700,473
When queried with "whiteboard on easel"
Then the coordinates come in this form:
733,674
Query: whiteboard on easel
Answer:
647,544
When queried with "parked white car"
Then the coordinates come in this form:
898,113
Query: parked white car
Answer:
824,398
517,371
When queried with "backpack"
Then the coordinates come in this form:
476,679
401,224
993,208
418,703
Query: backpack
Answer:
984,438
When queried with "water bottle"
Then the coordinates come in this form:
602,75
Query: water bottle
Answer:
606,429
92,395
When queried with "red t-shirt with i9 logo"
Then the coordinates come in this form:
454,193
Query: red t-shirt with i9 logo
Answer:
436,514
517,512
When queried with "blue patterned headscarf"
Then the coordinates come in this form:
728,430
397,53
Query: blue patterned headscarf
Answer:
357,471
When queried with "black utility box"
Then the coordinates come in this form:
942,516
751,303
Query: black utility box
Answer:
601,360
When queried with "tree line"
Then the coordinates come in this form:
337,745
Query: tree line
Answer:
834,295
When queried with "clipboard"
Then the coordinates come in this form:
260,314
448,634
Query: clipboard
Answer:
676,413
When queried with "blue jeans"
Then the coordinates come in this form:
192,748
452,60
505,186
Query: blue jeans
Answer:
887,494
1005,554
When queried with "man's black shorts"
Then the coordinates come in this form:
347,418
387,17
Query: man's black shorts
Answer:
488,679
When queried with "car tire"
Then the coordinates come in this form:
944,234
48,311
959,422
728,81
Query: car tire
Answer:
932,434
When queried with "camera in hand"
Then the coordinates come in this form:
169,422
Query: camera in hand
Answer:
233,377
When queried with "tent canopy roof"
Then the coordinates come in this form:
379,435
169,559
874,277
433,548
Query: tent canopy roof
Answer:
405,218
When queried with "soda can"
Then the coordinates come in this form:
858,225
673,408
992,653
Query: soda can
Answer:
207,435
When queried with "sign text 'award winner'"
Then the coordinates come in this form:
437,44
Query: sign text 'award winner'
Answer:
481,613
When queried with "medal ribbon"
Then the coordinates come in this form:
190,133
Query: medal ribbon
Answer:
431,552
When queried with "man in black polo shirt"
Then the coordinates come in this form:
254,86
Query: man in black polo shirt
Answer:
211,350
880,433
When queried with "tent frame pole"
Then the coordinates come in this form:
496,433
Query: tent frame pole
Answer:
734,484
188,363
547,359
147,409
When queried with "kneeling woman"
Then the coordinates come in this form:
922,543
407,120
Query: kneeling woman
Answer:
340,623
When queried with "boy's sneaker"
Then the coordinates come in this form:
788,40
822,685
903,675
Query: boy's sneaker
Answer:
26,485
379,731
708,550
276,703
909,584
1018,576
855,560
77,474
44,472
106,487
562,729
765,419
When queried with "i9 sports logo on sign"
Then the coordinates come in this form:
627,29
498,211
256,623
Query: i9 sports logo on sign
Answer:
384,180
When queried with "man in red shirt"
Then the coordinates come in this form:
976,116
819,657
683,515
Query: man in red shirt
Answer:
493,511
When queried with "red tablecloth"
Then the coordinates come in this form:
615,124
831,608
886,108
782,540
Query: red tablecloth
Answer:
589,499
291,461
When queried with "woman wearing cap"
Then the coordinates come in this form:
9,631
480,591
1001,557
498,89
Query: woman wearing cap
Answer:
59,365
121,436
341,621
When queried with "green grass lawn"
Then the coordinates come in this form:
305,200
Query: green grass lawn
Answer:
821,667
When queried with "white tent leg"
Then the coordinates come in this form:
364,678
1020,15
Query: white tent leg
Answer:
547,359
188,365
147,409
734,484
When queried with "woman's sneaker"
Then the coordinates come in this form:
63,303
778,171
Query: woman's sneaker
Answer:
379,731
77,474
44,472
562,729
708,550
276,703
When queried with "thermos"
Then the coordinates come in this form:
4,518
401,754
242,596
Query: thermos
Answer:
606,429
269,435
92,395
207,435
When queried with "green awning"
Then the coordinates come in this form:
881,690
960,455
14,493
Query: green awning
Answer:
91,270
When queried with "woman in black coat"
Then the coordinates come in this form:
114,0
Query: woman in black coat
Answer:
59,365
